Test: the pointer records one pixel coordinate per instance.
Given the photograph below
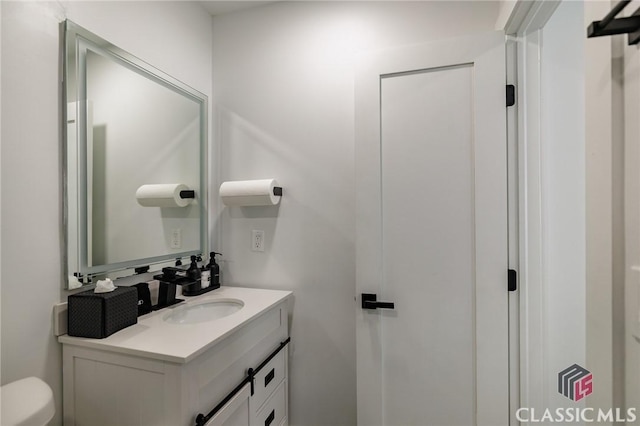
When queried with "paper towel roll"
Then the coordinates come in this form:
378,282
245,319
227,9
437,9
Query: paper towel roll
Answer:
162,195
249,193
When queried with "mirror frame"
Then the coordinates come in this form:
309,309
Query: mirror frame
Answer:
75,42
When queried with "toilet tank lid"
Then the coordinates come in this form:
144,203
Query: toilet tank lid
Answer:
26,402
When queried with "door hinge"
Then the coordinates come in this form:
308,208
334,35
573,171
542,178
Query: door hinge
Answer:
511,95
512,280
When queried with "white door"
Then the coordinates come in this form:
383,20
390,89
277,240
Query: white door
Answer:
432,234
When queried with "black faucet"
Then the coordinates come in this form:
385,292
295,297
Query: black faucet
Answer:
169,279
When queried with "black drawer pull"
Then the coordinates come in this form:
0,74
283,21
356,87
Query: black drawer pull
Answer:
269,377
270,418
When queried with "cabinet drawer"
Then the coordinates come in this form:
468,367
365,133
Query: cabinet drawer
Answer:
235,412
273,413
268,378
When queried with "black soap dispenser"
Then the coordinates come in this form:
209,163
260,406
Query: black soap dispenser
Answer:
214,270
193,273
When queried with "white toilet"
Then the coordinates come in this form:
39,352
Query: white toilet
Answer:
26,402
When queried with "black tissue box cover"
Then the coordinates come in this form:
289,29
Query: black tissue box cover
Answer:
99,315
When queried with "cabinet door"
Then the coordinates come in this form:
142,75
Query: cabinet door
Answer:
235,412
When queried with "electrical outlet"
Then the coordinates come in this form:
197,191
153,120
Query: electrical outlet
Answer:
257,240
176,238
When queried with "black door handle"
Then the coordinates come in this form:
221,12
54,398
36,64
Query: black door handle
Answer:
370,301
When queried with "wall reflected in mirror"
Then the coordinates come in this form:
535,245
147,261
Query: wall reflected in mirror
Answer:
128,125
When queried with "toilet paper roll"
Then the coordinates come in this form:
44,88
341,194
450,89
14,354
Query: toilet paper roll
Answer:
162,195
249,193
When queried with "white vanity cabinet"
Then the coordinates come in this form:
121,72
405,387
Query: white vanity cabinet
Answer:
156,373
266,406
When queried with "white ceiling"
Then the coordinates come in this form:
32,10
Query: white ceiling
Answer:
215,7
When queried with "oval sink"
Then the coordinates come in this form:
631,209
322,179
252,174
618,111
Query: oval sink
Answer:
203,312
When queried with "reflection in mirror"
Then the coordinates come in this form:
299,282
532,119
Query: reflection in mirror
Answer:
128,125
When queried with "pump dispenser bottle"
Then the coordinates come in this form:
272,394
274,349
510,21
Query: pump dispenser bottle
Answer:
214,270
194,271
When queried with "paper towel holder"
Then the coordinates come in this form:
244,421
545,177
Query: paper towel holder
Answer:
164,195
251,193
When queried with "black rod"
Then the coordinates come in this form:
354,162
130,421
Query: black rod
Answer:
201,419
189,193
626,25
617,9
634,37
273,354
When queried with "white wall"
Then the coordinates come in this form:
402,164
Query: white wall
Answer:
283,82
283,94
632,221
173,36
563,177
504,13
605,213
143,133
1,61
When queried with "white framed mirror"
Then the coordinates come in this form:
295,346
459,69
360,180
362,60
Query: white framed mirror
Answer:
128,128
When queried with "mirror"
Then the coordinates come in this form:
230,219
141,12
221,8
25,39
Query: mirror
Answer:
129,128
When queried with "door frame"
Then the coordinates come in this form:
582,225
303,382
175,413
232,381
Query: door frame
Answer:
604,245
527,306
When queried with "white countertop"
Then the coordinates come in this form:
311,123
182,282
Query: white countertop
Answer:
152,337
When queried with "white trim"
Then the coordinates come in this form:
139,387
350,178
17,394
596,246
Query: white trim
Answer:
513,223
532,345
529,16
525,22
